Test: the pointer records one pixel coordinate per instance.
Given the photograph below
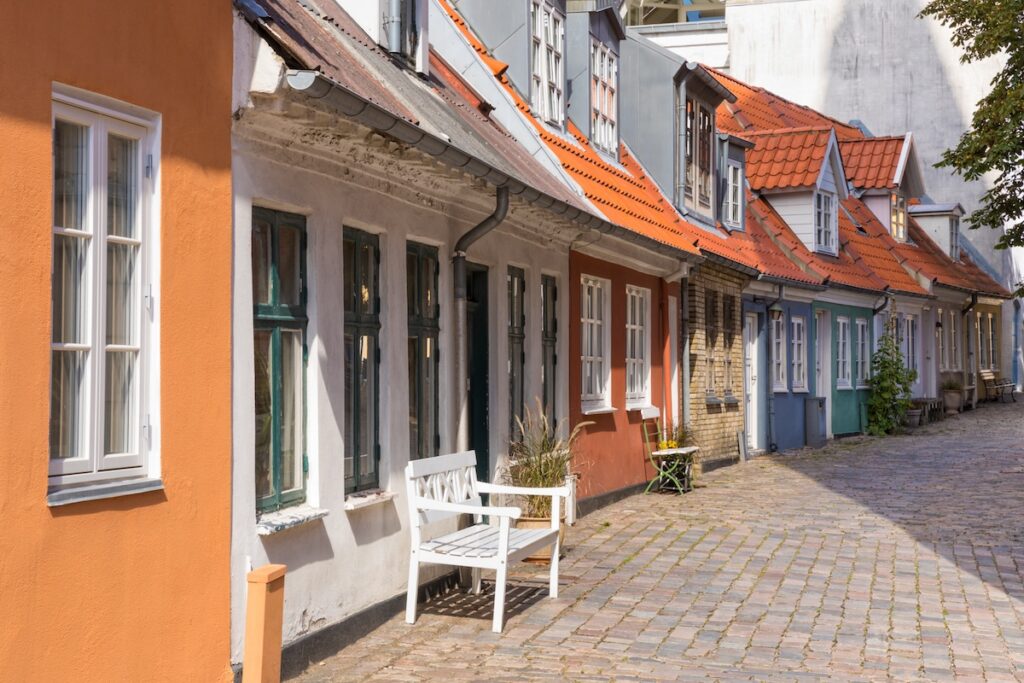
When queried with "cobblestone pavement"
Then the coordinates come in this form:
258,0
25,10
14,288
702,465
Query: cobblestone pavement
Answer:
898,558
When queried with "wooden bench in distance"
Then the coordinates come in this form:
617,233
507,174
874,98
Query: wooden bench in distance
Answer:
997,387
446,487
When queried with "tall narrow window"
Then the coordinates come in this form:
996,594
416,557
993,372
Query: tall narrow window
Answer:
954,342
704,144
711,323
954,238
548,76
993,346
778,342
798,326
360,264
898,217
638,347
516,348
603,100
733,205
595,371
549,345
824,222
843,353
910,341
279,331
863,364
691,146
424,326
102,298
729,323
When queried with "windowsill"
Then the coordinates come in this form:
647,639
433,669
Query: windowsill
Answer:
780,389
863,387
66,495
731,400
597,410
844,387
712,400
270,523
365,499
633,407
801,390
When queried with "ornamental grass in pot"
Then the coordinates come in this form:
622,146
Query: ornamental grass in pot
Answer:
952,396
540,459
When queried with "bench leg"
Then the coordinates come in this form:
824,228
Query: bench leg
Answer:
553,578
499,596
476,581
414,589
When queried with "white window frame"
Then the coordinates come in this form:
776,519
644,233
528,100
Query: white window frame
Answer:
910,339
954,238
548,54
954,342
992,336
599,326
778,342
732,215
604,95
898,216
638,346
825,222
863,362
844,378
103,115
798,341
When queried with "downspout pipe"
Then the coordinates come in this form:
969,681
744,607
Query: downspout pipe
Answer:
772,446
1018,371
461,333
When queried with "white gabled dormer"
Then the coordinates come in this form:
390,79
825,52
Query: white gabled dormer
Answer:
886,174
800,172
942,223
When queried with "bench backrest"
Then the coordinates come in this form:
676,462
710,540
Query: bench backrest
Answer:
446,478
987,375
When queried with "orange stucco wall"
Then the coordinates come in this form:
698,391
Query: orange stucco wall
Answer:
133,588
611,453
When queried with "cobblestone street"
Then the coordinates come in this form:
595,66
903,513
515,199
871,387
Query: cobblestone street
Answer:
899,558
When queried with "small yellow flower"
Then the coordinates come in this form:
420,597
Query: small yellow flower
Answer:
662,445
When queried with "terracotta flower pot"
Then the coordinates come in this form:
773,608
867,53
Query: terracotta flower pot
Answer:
544,554
951,400
913,418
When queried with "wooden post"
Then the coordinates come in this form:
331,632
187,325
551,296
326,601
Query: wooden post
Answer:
264,617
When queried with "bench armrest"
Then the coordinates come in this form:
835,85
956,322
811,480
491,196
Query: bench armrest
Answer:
441,506
486,487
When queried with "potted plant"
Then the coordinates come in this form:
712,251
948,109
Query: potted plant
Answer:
952,395
541,458
889,404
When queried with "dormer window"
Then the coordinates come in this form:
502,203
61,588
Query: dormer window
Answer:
548,68
699,125
732,214
824,222
954,238
898,217
604,68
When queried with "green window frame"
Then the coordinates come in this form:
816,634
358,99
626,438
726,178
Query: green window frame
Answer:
361,276
549,345
421,268
516,349
279,331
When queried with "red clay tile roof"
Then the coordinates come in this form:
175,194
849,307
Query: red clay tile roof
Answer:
926,257
870,244
764,227
624,193
786,159
759,109
871,163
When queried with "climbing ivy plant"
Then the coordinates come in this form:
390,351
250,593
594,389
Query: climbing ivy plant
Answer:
890,383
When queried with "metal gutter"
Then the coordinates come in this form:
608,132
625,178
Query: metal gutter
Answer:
316,86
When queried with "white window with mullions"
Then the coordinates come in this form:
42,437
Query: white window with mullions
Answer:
863,363
825,222
638,347
798,339
595,311
843,380
547,62
102,342
604,75
733,201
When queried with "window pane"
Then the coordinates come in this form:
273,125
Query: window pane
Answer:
411,277
416,402
428,275
291,410
67,392
70,175
70,312
428,388
122,306
367,409
367,281
260,261
264,414
349,402
120,415
288,265
349,275
122,186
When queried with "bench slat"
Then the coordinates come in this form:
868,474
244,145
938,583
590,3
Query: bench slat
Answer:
481,540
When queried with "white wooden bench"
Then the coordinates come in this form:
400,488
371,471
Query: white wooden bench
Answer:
446,487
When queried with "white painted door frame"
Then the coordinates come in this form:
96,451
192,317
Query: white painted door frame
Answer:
752,381
823,363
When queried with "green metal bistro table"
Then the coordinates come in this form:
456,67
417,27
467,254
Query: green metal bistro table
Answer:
673,469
